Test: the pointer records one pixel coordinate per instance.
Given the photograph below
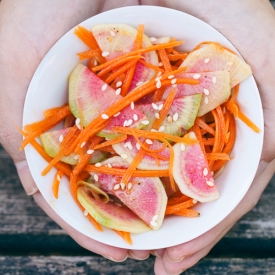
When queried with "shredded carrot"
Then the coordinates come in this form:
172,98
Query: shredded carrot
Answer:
56,183
50,112
125,235
118,81
171,209
204,126
189,213
164,59
177,199
111,142
94,55
217,156
151,66
175,57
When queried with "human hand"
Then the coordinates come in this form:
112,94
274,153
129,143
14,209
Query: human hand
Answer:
249,25
27,31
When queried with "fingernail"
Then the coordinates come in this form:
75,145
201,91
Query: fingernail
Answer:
26,177
114,260
173,260
137,258
155,253
174,273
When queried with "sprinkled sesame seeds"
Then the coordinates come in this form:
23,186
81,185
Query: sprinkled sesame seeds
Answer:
129,186
118,84
206,100
205,171
174,85
104,54
122,185
206,91
130,122
82,144
135,117
90,151
112,33
95,62
85,213
206,60
125,123
210,183
95,177
175,117
128,145
158,85
153,130
158,78
58,177
155,218
182,147
169,118
138,146
109,165
104,87
195,201
157,115
145,122
118,91
98,164
155,106
161,128
77,123
153,39
61,138
76,157
124,156
132,105
214,79
160,106
117,114
104,116
173,81
153,223
116,187
196,76
148,141
171,76
159,73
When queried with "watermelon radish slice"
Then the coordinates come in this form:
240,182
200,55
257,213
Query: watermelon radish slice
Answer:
192,174
146,197
89,96
181,116
51,141
118,39
129,148
110,214
213,57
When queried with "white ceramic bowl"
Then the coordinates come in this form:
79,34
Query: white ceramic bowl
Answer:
48,89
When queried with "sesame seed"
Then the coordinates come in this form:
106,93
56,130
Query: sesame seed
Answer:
169,118
229,63
195,201
82,144
153,130
158,78
206,60
61,138
139,83
174,85
155,218
95,62
157,115
129,186
118,84
153,39
98,164
89,152
206,100
145,122
116,187
104,87
132,105
104,54
118,204
171,76
135,117
104,116
161,128
155,106
212,173
160,106
122,185
58,177
206,92
124,156
125,123
76,157
159,74
128,145
160,64
210,183
77,123
95,177
205,171
182,147
214,79
109,165
173,81
85,213
130,122
153,223
148,141
175,116
138,146
117,114
196,76
158,85
112,33
118,91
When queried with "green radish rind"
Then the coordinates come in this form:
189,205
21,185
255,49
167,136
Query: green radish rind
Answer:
50,142
181,115
110,214
188,171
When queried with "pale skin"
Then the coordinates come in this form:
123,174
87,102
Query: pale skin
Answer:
27,31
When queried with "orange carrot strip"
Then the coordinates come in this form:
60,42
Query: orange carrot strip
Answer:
151,66
117,64
171,209
125,235
217,156
56,183
205,126
208,141
95,55
111,142
108,149
222,126
175,57
130,73
118,81
136,52
248,122
197,132
177,200
189,213
165,60
52,111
